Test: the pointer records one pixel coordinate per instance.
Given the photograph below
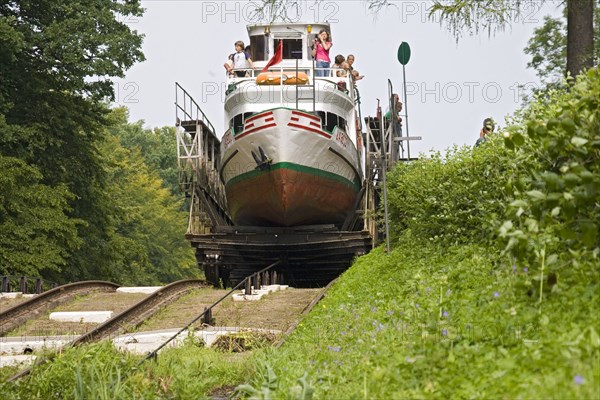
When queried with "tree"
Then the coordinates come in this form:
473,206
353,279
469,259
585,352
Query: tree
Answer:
36,234
580,35
474,16
548,48
158,146
57,59
146,243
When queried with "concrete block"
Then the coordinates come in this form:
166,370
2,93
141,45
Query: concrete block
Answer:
139,289
11,361
10,295
81,316
247,297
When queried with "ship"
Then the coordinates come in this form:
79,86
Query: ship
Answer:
291,152
291,180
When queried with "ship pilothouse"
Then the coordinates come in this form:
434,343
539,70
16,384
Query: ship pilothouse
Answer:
290,151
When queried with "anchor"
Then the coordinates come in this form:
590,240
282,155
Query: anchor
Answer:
262,162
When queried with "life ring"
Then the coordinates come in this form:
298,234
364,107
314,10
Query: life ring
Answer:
268,78
296,79
274,78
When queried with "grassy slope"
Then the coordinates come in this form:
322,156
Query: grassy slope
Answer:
445,315
424,323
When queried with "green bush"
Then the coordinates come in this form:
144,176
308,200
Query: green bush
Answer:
459,198
556,219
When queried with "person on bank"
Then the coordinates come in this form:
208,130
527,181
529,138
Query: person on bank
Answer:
488,128
398,105
320,53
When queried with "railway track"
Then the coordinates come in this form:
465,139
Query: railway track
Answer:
19,314
145,308
129,318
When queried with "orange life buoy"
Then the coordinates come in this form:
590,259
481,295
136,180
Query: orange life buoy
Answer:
274,78
296,79
268,78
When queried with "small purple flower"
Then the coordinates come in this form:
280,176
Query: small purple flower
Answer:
390,312
334,348
428,289
312,362
417,305
448,292
379,327
525,269
579,380
373,309
445,314
444,332
496,294
514,268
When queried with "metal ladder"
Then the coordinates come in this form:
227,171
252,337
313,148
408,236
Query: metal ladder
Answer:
198,157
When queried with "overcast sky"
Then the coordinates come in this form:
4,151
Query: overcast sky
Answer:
452,86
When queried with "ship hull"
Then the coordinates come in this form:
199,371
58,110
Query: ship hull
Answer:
284,170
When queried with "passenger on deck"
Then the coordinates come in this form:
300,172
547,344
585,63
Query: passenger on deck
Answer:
320,53
339,59
355,74
239,60
344,69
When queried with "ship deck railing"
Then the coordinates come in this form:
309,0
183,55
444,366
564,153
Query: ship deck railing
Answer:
331,74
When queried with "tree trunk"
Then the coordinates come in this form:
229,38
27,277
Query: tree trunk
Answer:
580,35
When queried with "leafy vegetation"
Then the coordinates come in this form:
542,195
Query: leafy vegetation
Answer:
490,289
35,233
502,312
87,194
100,371
156,146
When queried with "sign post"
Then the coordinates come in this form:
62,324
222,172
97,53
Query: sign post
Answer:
403,58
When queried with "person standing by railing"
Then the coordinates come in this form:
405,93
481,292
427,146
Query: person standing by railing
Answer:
240,61
320,52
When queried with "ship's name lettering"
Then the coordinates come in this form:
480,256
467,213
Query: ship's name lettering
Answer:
340,136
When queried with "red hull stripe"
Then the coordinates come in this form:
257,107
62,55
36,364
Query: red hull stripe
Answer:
306,116
248,126
252,118
315,124
307,128
295,119
269,119
255,130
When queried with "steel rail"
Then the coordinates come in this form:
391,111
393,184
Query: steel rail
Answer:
129,318
207,310
19,314
140,311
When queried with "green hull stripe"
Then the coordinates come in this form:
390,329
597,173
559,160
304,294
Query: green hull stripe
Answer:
296,167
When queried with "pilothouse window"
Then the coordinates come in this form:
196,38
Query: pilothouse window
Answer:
238,122
292,49
257,48
330,120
